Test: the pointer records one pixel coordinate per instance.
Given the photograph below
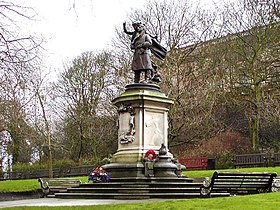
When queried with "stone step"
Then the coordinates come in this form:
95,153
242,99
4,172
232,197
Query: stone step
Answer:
141,184
134,195
152,179
128,188
132,190
126,195
138,189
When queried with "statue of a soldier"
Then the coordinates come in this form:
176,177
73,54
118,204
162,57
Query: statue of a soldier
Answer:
143,44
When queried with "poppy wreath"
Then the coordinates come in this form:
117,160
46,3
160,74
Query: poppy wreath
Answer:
98,175
151,155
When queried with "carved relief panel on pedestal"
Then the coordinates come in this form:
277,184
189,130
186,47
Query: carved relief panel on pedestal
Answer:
126,124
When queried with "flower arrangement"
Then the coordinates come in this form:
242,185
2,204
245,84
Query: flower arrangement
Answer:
98,175
150,155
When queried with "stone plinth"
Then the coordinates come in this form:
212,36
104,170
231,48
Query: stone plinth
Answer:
142,126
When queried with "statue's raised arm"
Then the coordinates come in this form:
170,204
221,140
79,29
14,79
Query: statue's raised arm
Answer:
125,30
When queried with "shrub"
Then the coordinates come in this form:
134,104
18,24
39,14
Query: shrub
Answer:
63,164
221,147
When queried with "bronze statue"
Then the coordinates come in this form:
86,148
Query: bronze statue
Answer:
143,44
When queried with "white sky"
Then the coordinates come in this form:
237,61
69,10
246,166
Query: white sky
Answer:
70,31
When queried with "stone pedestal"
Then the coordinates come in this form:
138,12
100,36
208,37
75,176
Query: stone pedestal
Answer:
142,126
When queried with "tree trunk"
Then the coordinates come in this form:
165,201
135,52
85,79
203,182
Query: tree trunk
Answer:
255,120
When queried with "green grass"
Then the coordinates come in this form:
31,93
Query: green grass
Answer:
209,173
19,185
33,184
266,201
25,185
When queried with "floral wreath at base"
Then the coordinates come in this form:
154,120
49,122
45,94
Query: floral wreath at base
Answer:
150,155
98,175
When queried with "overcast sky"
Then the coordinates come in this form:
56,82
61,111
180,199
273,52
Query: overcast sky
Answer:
69,31
71,27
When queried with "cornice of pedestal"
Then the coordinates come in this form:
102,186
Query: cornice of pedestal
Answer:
143,92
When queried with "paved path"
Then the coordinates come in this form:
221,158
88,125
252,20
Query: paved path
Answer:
68,202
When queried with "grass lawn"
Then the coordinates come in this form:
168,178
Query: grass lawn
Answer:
209,173
25,185
33,184
266,201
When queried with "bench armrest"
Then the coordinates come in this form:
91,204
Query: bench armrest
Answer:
205,188
45,186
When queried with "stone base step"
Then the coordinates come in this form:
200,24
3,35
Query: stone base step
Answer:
126,195
152,179
138,188
141,184
134,195
132,190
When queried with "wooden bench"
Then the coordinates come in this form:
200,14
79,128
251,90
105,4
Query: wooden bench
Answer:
275,159
195,163
51,185
249,160
237,183
275,187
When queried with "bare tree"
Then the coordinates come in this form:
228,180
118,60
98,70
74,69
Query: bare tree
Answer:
252,54
86,87
18,55
15,48
41,94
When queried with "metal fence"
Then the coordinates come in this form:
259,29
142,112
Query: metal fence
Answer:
41,173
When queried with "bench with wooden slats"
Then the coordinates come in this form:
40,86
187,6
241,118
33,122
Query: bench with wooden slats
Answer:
238,183
250,160
275,159
51,185
195,163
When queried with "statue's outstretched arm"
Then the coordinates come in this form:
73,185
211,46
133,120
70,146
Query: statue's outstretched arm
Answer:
125,30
